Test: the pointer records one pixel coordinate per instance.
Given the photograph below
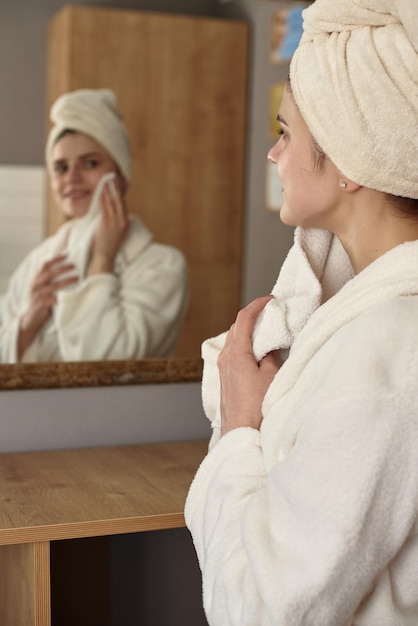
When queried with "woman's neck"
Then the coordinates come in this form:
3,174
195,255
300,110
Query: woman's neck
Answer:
373,228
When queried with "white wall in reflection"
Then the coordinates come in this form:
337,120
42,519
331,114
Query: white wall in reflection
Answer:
22,215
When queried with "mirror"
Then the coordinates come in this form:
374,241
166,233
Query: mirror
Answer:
185,110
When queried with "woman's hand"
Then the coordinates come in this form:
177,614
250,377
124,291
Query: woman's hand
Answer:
244,382
111,230
43,295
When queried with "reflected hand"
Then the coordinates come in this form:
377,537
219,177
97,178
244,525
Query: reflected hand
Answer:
43,296
244,382
111,230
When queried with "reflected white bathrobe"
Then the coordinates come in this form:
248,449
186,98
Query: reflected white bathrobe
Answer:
313,519
136,312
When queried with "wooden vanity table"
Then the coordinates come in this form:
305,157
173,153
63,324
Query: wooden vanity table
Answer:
68,494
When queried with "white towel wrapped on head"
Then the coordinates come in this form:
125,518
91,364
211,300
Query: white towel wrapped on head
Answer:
354,77
92,112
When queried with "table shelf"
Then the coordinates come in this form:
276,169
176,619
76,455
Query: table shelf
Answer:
70,494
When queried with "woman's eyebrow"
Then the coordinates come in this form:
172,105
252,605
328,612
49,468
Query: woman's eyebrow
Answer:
281,120
88,155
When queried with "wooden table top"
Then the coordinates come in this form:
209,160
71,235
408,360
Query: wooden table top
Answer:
65,494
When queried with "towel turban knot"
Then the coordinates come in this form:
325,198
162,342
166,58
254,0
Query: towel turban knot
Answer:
354,77
93,112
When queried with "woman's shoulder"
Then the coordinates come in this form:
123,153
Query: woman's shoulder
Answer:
142,247
380,344
395,317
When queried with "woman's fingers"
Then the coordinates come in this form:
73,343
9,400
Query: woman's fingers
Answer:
53,263
51,270
56,285
246,318
238,341
49,266
271,363
43,293
108,203
113,206
111,230
243,328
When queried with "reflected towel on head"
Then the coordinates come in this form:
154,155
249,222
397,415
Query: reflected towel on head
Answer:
93,112
354,77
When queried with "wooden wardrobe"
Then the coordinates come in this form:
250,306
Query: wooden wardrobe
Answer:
181,83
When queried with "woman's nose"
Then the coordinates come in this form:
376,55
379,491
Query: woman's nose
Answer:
273,153
74,174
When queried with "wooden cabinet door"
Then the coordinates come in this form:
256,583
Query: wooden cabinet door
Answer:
181,84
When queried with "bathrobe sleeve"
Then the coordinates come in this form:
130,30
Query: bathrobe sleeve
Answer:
12,304
303,542
138,313
9,332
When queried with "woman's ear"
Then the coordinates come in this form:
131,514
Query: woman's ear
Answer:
345,184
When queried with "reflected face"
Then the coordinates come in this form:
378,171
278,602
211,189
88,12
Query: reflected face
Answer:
278,28
78,163
310,192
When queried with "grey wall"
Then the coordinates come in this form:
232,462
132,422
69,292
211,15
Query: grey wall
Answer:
55,419
267,240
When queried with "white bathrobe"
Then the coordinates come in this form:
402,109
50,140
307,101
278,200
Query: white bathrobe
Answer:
312,521
136,312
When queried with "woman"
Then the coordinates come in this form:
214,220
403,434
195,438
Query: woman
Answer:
278,28
305,510
100,288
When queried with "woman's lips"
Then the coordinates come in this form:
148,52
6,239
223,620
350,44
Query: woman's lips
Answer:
76,195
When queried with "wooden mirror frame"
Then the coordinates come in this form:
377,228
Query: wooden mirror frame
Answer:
99,373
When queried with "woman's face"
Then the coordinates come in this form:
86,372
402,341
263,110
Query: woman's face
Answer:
278,28
78,163
309,193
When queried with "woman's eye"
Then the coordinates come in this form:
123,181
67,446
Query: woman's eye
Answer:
90,163
282,134
60,169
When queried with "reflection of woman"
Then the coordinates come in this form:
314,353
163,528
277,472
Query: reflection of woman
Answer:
286,30
100,288
305,510
277,35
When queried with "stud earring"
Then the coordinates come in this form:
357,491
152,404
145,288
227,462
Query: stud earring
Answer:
343,185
